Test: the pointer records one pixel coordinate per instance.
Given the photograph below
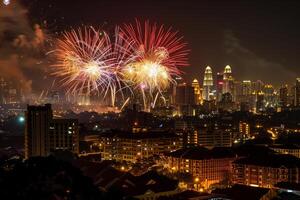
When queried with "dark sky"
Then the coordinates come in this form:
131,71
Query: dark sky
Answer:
259,40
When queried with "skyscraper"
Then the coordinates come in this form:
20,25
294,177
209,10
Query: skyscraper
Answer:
184,95
219,86
297,93
228,80
37,129
257,86
207,83
197,91
283,96
246,88
43,134
270,97
260,101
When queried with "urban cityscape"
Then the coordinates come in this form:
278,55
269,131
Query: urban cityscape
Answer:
127,104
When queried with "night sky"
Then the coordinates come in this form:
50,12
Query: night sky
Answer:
259,40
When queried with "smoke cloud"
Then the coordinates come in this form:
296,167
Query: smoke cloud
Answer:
248,64
22,56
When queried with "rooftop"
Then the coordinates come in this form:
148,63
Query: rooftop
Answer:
201,153
271,160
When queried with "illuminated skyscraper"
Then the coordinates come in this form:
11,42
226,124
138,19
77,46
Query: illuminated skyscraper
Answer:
270,97
197,91
228,80
243,91
207,83
246,88
297,93
219,86
257,86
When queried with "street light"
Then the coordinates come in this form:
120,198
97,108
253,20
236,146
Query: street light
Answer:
196,180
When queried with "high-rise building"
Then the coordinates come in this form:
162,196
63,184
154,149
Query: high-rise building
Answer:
63,135
243,91
185,99
43,134
10,92
226,103
219,86
297,93
283,96
237,91
228,80
197,92
270,97
185,95
260,101
246,88
257,86
207,83
37,129
244,129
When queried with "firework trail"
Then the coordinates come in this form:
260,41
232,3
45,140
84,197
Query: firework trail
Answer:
159,53
84,62
122,53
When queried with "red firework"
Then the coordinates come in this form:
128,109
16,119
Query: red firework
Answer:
153,41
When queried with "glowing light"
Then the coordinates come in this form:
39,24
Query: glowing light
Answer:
6,2
84,62
88,61
21,119
92,70
159,53
146,57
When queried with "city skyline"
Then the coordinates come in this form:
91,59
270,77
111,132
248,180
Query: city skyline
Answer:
149,100
233,47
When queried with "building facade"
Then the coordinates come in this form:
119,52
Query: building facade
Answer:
228,86
44,134
266,172
206,166
131,147
207,83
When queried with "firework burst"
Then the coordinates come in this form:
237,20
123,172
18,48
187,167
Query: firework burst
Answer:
84,61
159,55
122,53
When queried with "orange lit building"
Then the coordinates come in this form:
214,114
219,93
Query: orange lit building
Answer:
244,129
266,171
131,147
206,166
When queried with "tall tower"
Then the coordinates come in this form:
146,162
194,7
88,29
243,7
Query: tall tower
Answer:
37,130
283,96
44,135
197,91
207,83
228,80
219,86
297,93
